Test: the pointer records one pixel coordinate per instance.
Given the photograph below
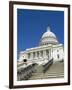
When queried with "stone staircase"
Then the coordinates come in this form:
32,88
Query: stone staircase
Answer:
56,70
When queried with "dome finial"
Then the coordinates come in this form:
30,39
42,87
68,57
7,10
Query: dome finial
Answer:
48,29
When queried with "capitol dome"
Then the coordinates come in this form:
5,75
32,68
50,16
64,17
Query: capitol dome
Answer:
48,38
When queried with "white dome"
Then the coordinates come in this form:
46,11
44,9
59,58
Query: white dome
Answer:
48,38
48,33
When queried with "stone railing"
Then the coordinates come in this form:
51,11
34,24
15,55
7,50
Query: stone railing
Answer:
47,65
25,73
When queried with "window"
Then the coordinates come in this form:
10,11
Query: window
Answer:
33,54
41,53
47,52
58,56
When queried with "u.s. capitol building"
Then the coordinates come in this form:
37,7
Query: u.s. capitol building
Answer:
49,48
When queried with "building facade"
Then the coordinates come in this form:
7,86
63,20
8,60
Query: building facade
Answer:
49,48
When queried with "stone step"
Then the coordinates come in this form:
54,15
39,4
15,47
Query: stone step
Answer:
55,71
50,75
46,77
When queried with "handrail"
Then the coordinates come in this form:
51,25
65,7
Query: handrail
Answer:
45,67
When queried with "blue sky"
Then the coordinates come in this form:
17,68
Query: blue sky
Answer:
31,24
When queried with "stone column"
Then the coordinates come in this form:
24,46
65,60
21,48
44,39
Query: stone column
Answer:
51,54
36,55
44,53
39,54
31,55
